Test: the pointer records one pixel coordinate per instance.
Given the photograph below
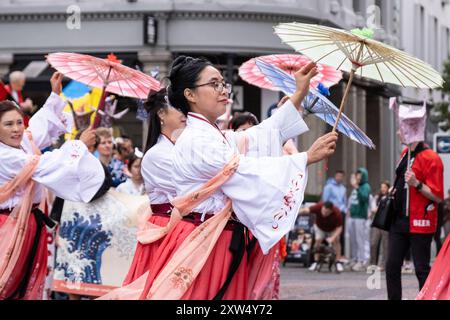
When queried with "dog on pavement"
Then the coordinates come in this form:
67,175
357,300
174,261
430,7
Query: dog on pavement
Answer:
327,256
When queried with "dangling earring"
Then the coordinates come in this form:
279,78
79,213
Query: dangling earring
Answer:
162,123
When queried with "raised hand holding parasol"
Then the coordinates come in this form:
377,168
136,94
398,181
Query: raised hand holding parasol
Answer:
108,74
273,78
288,63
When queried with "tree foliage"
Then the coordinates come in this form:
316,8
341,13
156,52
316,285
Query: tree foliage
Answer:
441,112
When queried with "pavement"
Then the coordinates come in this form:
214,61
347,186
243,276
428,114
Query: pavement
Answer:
297,283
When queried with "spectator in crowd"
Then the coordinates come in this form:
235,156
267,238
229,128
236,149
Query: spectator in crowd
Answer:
327,227
135,184
414,227
14,88
378,237
359,207
336,192
124,149
123,152
105,151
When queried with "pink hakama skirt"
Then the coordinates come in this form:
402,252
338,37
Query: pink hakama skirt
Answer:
154,256
27,279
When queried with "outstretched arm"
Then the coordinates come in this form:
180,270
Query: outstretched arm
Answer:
49,122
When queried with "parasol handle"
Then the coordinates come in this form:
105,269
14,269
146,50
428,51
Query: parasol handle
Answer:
307,111
77,127
355,65
101,103
316,99
407,186
344,98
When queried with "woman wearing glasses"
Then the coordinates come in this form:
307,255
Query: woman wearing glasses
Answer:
222,195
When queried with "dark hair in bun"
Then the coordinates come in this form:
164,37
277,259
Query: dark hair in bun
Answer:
184,73
155,102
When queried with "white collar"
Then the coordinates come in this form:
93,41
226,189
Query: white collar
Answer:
198,115
198,120
13,148
164,139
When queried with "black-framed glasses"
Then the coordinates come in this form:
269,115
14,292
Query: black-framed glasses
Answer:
217,85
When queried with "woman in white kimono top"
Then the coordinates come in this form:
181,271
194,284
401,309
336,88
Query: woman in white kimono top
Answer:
165,123
70,172
259,188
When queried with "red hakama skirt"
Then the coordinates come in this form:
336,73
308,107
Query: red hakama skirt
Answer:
154,256
28,277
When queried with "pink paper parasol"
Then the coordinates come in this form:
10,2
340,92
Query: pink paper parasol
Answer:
289,63
108,74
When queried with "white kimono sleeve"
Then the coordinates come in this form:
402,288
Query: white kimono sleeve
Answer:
287,119
267,138
49,122
266,192
71,172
